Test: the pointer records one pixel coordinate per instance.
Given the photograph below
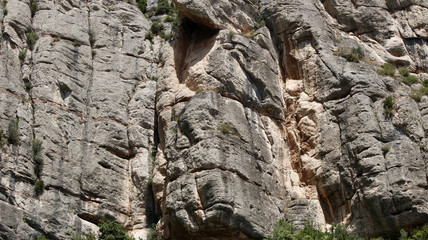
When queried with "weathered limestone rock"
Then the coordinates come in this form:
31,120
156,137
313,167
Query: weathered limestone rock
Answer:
220,132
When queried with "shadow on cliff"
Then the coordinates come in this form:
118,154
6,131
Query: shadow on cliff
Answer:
194,42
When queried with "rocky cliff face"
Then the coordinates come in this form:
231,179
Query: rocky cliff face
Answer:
219,133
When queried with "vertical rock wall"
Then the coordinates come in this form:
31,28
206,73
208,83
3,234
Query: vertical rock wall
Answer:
219,133
84,90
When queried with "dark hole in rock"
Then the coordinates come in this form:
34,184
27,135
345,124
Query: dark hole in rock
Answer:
64,90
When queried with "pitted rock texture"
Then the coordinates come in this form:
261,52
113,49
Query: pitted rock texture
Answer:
220,132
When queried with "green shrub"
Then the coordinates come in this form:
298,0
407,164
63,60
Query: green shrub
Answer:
169,19
13,137
42,237
149,36
388,105
410,80
142,5
37,157
168,36
385,150
153,235
110,230
22,54
387,70
38,187
90,236
157,27
31,39
351,55
417,234
403,72
33,7
5,7
260,22
286,231
76,43
425,83
417,97
163,7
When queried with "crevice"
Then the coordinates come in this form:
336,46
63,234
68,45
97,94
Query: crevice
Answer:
86,119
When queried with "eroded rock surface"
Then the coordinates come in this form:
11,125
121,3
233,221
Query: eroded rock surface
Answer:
220,132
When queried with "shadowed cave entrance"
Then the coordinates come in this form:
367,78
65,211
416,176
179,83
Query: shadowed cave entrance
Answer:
194,42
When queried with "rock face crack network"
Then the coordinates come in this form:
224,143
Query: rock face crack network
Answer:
212,119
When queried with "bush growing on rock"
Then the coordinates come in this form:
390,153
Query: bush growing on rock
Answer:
163,7
403,72
417,234
31,39
110,230
22,54
388,104
87,237
142,5
410,80
157,27
387,70
286,231
33,7
37,157
38,187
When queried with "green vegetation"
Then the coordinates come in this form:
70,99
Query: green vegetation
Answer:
226,128
153,235
164,7
142,5
149,36
87,237
93,53
4,7
27,86
91,37
169,19
110,230
388,105
38,187
385,150
417,95
33,7
286,231
403,72
387,70
13,130
410,80
351,55
417,234
37,157
77,43
260,23
22,54
42,237
31,39
157,27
